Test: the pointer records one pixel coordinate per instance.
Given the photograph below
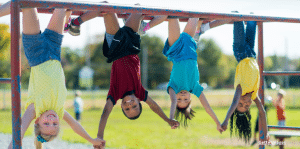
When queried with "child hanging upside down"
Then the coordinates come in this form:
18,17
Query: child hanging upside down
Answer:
246,84
184,79
121,46
47,90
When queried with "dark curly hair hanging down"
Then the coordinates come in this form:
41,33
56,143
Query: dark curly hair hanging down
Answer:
240,125
183,114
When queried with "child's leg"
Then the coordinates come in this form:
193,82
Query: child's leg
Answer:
134,21
191,26
5,9
85,17
174,31
199,24
68,14
250,34
238,39
31,24
111,23
57,21
157,20
218,23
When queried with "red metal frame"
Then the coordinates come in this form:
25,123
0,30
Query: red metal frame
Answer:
283,127
281,73
15,74
122,10
117,8
5,80
261,69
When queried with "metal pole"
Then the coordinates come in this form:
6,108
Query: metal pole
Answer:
261,69
121,9
15,75
145,68
5,80
283,127
281,73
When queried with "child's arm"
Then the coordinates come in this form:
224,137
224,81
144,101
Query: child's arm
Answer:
105,114
262,117
234,104
281,104
173,103
28,116
210,111
80,130
155,107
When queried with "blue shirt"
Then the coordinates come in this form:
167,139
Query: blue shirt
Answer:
184,48
185,73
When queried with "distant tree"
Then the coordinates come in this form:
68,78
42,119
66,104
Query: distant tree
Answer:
159,68
214,66
4,52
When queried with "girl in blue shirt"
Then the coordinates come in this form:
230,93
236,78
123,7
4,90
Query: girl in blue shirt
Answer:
184,79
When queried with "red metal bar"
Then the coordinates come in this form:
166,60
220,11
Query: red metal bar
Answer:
117,8
281,73
15,74
5,80
147,17
261,69
284,127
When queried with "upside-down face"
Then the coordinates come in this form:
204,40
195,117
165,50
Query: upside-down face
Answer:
244,103
130,106
49,123
183,99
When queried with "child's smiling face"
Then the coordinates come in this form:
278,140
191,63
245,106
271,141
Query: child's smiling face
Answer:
130,106
244,103
183,99
49,123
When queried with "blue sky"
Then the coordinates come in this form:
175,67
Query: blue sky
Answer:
278,37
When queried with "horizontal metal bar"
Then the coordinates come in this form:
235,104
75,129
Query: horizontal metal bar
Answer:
283,127
5,80
117,8
281,73
147,17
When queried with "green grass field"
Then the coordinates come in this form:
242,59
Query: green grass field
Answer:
149,131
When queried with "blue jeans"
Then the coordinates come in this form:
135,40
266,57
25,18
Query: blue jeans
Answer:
243,43
281,123
42,47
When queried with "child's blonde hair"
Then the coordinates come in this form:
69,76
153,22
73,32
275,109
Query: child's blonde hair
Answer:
48,138
184,114
282,92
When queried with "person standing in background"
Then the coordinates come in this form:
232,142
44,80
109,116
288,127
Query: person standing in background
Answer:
78,106
279,104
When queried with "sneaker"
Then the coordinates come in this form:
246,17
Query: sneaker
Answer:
67,26
74,29
141,31
197,35
254,142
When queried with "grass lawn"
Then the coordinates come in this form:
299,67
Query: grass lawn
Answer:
149,131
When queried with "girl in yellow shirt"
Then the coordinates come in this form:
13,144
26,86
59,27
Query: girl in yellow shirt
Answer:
47,90
246,83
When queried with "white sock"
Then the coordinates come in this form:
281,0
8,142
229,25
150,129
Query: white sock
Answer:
204,27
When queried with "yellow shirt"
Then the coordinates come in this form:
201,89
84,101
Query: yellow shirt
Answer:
47,90
247,75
